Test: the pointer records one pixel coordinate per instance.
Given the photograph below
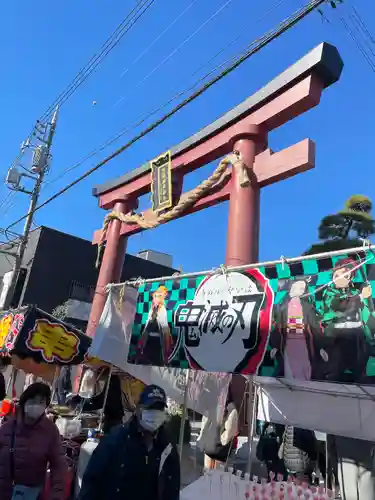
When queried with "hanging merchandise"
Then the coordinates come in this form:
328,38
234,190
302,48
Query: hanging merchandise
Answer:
112,337
206,392
311,318
229,486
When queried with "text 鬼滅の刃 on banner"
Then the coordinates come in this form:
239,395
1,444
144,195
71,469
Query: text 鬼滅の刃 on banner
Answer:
313,320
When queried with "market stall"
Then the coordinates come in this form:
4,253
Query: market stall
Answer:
39,344
344,410
301,330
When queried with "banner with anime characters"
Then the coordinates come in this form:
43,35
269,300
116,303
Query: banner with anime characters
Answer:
216,323
308,320
32,337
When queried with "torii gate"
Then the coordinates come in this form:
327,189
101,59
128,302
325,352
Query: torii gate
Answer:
243,129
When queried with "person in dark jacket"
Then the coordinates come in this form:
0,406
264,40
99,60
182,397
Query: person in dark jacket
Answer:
268,449
29,444
113,408
135,461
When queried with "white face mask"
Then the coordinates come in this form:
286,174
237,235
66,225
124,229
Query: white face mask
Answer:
152,420
34,410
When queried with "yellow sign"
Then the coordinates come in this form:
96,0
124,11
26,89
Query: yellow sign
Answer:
53,341
5,324
161,182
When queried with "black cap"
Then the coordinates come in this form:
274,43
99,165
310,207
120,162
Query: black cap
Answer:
153,395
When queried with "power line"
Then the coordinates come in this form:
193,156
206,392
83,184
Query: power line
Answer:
362,23
8,203
145,51
126,24
144,116
136,123
6,199
174,51
363,31
251,50
40,166
358,44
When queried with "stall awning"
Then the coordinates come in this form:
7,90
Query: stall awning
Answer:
344,410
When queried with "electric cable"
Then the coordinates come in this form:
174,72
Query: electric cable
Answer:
12,233
252,49
6,199
115,38
146,50
144,116
358,44
174,51
359,26
9,205
362,23
136,123
96,60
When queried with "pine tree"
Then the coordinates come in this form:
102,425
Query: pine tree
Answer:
347,228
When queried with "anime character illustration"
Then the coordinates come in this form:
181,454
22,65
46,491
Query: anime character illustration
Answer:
296,333
155,344
347,311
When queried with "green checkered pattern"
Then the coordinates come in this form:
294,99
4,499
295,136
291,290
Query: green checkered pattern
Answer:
181,290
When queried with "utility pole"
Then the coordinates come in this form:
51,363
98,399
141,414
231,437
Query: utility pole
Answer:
40,165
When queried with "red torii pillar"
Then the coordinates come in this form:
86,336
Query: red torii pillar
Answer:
244,128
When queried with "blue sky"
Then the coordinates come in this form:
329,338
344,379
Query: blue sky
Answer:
43,46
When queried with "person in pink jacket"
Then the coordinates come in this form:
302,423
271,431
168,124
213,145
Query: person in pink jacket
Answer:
29,442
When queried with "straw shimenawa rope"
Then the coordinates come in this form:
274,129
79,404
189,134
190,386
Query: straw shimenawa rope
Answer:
234,159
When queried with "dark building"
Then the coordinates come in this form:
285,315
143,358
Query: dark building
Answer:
59,269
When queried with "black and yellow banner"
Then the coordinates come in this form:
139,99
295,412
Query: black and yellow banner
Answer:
31,333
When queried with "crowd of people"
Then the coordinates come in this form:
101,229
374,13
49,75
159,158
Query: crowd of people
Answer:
138,457
134,460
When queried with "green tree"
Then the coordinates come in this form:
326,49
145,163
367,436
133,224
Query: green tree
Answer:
347,228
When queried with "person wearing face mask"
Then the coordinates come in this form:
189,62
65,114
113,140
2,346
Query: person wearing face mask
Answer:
136,461
29,442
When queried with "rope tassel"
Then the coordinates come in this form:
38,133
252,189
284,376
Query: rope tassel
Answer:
185,202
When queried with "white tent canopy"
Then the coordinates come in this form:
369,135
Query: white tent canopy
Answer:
344,410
